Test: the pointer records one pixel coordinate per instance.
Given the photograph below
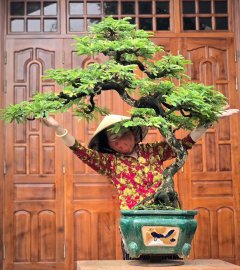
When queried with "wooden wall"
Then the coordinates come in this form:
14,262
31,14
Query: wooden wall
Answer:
2,22
73,212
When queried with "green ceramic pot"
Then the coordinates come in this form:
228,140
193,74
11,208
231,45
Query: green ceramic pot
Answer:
157,231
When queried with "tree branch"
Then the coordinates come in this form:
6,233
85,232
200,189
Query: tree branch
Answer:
97,91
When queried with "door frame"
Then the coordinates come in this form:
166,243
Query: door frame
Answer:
236,28
3,4
2,46
53,203
237,42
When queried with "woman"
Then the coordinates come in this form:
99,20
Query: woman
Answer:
135,169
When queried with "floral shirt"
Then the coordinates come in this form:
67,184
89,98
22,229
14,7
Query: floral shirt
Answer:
134,178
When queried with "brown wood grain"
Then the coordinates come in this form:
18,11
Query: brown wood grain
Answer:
213,170
47,213
2,55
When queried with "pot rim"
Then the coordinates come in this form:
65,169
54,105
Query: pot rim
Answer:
159,212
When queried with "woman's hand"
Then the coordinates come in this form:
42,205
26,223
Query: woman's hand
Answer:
197,133
50,122
61,132
228,112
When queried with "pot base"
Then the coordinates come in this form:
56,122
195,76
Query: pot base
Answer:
155,263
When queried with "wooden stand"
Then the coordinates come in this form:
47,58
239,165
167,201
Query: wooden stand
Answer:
141,265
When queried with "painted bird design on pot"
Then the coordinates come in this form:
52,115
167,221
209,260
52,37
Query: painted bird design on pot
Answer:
161,236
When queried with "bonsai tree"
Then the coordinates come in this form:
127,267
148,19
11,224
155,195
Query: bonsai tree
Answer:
159,104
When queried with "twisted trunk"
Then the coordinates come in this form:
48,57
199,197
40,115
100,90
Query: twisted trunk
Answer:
166,197
166,193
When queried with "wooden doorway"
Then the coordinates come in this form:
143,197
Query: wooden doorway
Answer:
213,184
57,211
34,206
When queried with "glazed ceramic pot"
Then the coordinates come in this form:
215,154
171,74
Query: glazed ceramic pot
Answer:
157,232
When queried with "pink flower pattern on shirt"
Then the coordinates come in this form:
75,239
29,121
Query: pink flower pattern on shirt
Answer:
134,178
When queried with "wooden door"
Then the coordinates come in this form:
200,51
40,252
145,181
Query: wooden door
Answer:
212,173
57,207
34,206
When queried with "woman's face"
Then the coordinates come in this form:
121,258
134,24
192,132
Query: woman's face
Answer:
123,143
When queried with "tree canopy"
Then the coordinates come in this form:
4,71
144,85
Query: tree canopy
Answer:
161,102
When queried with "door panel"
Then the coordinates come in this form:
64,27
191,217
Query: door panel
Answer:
34,216
213,164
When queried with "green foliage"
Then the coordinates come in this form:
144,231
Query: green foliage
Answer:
85,80
41,105
161,103
144,117
113,36
202,103
171,66
148,87
83,114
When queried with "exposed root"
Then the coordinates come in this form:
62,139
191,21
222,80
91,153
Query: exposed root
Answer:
162,200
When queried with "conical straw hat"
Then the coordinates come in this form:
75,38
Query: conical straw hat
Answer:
106,123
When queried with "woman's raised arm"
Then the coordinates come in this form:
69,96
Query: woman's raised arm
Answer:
60,131
197,133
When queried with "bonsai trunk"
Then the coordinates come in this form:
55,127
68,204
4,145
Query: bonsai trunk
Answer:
166,197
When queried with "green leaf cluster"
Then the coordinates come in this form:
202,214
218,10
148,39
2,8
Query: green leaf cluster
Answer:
112,36
81,112
40,106
144,117
179,106
85,80
171,66
148,87
201,103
